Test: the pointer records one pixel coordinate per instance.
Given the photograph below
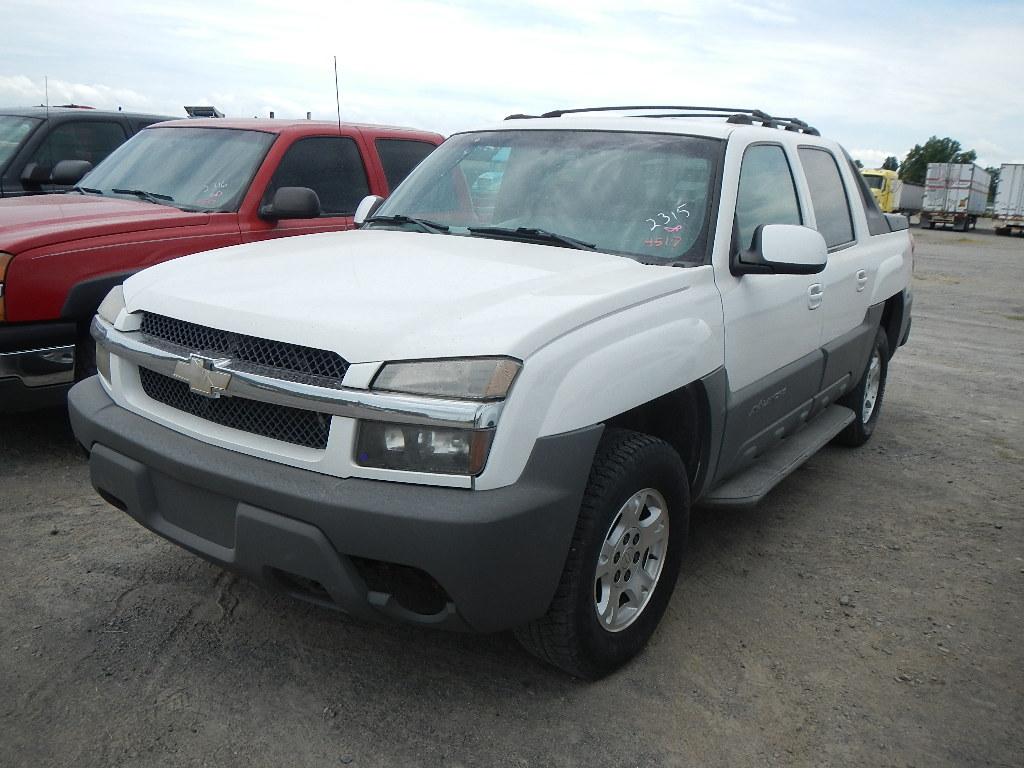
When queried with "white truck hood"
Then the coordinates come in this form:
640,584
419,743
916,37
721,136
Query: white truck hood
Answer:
374,295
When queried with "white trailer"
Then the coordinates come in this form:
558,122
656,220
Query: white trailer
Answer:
954,194
1009,208
908,198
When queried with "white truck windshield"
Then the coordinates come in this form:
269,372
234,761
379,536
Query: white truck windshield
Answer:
642,195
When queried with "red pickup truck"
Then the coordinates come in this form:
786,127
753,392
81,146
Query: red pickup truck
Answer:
175,188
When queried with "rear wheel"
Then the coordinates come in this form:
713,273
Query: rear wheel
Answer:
623,561
865,400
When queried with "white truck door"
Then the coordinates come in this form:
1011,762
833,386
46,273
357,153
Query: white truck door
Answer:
770,320
850,272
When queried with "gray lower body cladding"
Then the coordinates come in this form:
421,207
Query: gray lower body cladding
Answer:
494,557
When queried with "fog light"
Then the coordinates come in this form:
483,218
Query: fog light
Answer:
413,448
103,362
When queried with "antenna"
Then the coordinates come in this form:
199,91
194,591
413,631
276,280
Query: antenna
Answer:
337,95
46,86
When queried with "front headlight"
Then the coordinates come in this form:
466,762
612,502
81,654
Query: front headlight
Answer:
416,448
425,448
469,378
112,305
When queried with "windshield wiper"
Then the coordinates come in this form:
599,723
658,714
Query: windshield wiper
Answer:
532,233
83,190
149,197
427,226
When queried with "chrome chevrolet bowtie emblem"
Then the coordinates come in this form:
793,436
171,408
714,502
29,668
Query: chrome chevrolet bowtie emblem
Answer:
201,376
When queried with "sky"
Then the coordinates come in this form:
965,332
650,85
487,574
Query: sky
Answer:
877,77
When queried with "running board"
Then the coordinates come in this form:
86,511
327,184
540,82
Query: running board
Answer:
770,469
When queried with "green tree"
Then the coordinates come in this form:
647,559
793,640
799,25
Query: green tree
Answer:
935,150
995,184
891,164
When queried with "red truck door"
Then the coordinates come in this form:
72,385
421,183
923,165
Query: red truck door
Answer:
333,167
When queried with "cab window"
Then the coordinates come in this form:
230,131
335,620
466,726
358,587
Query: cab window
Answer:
399,156
767,193
828,196
329,165
84,140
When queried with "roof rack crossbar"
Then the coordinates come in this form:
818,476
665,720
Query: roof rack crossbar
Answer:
560,112
732,114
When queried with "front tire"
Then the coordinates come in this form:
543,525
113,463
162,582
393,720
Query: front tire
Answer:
623,561
865,400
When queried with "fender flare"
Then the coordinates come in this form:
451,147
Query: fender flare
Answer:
84,298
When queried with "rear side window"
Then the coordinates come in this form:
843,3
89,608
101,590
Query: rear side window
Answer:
828,196
877,224
86,140
767,194
329,165
400,156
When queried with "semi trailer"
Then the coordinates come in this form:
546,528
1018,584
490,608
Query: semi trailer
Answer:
954,194
1009,208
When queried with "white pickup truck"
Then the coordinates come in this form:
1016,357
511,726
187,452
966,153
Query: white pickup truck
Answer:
493,405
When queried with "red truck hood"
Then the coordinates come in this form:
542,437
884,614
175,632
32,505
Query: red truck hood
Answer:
32,222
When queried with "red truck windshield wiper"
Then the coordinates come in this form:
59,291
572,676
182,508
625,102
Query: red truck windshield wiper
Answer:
149,197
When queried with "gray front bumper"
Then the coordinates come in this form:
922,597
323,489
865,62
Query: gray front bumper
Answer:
498,554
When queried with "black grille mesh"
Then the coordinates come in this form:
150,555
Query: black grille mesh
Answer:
284,357
292,425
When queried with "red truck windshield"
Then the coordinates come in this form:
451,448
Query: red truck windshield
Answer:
206,169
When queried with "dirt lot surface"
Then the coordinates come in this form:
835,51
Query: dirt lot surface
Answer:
868,613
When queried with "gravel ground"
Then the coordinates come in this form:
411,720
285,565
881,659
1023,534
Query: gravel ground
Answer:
868,613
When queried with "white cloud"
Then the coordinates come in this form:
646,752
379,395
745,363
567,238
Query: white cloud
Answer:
453,65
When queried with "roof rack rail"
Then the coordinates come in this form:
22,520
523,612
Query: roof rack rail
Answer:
735,115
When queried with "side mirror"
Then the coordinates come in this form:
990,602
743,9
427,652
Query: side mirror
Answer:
34,173
292,203
783,249
367,207
68,172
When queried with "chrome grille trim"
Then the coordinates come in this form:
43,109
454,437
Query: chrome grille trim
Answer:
247,381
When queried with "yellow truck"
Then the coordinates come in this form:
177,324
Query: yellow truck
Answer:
892,194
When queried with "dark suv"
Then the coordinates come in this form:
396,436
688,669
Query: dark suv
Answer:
34,140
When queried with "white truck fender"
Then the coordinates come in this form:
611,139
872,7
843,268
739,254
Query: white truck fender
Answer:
892,277
605,368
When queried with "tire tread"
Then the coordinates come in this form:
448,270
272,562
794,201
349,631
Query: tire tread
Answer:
553,637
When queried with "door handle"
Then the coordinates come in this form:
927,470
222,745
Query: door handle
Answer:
862,280
815,293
